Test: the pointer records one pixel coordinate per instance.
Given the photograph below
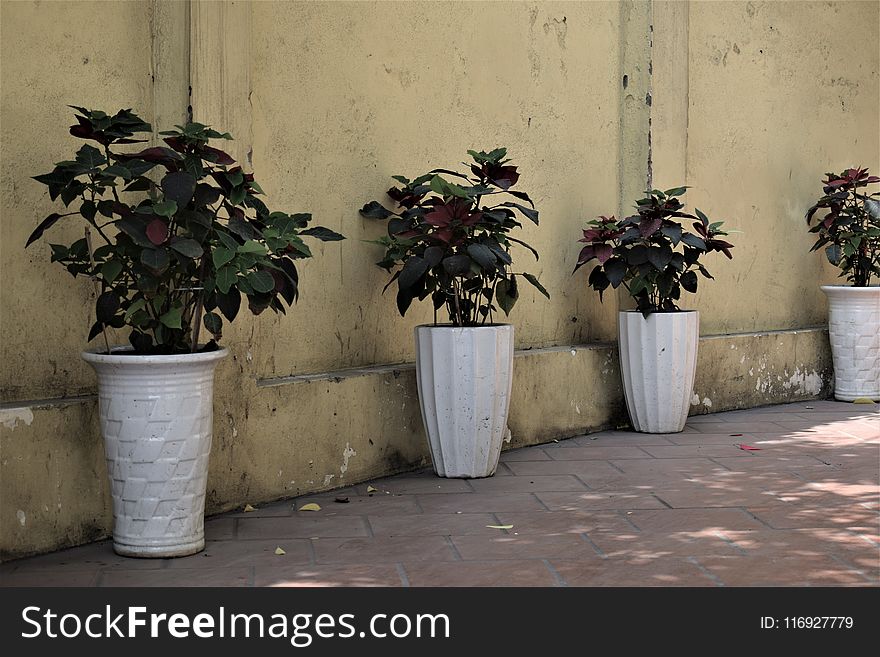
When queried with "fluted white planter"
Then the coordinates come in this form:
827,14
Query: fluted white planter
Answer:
854,333
658,362
464,378
156,417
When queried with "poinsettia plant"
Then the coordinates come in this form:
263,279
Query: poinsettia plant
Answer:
180,233
651,253
451,241
850,231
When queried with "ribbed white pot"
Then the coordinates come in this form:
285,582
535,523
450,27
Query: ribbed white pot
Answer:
854,332
658,362
464,378
156,417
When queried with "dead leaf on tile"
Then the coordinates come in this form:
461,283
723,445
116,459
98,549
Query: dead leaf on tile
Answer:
863,400
749,448
736,434
341,500
809,408
248,508
372,489
499,526
311,506
279,551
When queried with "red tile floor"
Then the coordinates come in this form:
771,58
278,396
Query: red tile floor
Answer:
609,509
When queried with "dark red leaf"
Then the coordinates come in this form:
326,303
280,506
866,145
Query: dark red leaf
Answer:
157,231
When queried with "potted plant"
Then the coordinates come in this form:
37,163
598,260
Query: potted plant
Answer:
174,252
449,240
850,233
654,257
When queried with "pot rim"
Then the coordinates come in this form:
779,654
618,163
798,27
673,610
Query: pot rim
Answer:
872,286
659,312
461,328
114,358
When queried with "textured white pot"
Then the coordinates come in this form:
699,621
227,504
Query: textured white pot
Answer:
854,332
156,415
658,361
464,378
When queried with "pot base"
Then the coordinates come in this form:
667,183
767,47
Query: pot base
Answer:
159,551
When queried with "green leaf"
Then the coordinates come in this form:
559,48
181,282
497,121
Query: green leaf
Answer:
226,278
156,260
165,208
413,270
689,281
172,318
323,234
506,294
252,246
483,256
236,196
47,223
375,210
90,157
178,186
677,191
214,324
187,247
221,256
106,306
534,281
110,270
134,307
261,281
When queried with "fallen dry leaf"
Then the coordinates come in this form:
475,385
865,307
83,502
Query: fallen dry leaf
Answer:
749,448
863,400
809,408
311,506
499,526
341,500
736,434
248,508
279,551
371,489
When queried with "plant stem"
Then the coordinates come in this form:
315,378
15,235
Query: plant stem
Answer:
95,283
197,315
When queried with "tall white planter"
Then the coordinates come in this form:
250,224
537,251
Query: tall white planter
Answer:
854,332
156,417
658,362
464,379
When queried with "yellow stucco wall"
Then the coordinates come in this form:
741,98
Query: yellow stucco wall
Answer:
327,100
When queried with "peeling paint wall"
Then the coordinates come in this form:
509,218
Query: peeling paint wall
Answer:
327,100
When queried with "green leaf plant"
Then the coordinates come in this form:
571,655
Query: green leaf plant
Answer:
850,231
449,239
651,253
179,247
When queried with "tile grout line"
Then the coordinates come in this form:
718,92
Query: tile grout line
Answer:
754,517
452,546
560,580
596,548
661,500
365,519
623,515
404,578
252,577
706,572
611,463
313,555
732,543
540,501
850,566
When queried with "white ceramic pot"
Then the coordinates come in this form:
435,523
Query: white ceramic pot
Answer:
854,332
658,362
156,415
464,378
